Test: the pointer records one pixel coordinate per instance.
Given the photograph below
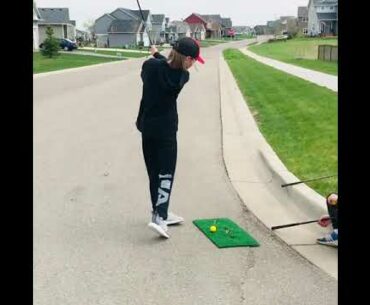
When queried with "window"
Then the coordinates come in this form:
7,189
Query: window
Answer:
305,31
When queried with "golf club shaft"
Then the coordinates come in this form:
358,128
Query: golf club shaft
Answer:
293,224
142,16
298,182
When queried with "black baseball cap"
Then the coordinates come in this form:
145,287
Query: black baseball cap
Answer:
189,47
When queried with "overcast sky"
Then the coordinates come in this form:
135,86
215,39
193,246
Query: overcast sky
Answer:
241,12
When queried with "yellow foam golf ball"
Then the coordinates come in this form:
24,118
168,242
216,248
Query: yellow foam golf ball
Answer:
213,228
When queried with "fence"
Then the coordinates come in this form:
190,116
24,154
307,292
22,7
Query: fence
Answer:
328,53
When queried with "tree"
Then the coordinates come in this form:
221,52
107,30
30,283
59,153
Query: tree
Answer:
89,26
292,27
50,46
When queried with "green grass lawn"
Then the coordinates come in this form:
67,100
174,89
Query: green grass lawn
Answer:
210,42
299,51
116,53
65,61
298,118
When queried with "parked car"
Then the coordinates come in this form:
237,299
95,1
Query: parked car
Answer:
65,44
68,45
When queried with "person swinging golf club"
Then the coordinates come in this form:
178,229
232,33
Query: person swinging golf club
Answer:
157,120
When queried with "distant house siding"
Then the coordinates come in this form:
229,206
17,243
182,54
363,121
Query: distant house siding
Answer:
58,31
102,40
313,22
102,24
121,39
155,33
71,32
36,40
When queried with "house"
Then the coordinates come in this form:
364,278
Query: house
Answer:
82,35
227,27
103,30
178,29
124,33
101,27
198,31
243,30
261,29
36,20
158,29
273,27
166,29
58,19
322,17
212,24
302,20
215,28
288,24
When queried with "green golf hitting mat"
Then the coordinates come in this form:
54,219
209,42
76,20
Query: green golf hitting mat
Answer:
226,234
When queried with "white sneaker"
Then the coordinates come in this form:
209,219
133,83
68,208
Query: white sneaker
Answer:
158,225
173,219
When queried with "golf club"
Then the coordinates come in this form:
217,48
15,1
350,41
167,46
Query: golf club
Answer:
293,224
142,17
298,182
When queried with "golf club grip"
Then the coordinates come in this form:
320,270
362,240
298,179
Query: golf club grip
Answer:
308,180
294,183
293,224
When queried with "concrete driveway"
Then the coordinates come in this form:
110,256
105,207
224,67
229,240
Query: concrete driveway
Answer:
91,203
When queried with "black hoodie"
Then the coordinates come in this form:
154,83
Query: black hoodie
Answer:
158,107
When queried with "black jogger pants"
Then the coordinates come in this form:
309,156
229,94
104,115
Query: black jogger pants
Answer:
160,155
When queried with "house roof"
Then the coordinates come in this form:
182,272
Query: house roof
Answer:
200,17
212,18
54,15
110,16
226,22
272,23
179,26
327,16
138,14
135,14
284,18
125,26
302,11
323,2
128,12
81,31
157,18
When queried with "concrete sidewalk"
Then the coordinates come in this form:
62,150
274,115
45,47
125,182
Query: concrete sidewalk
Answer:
318,78
257,173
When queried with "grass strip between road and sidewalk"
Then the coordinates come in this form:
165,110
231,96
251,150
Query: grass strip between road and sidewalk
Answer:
65,61
298,119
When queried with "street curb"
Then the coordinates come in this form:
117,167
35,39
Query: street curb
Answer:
290,203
